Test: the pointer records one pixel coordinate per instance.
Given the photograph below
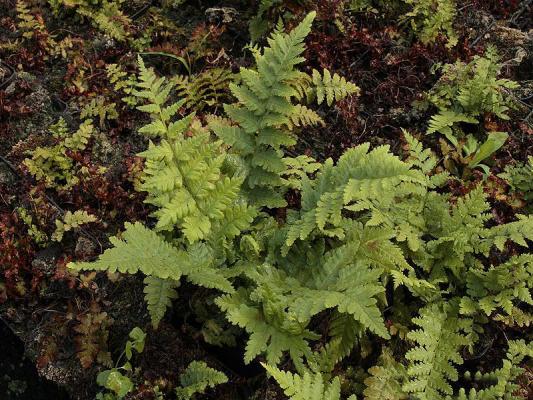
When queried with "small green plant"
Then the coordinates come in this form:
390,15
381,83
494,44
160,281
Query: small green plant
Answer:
309,386
106,15
117,380
466,93
52,164
197,378
520,178
430,18
97,107
71,221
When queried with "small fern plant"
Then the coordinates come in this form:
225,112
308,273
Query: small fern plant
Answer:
309,386
194,200
262,120
197,378
466,92
52,165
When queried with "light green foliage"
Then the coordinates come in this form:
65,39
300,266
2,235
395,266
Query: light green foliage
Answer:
183,175
265,114
122,82
105,15
264,107
27,23
465,92
332,87
430,18
386,379
368,241
501,288
197,378
159,294
71,221
272,328
97,107
502,379
51,164
432,362
142,250
33,230
520,179
309,386
362,181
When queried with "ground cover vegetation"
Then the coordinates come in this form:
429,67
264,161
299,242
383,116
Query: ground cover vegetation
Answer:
277,199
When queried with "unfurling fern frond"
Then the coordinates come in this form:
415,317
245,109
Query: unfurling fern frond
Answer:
197,378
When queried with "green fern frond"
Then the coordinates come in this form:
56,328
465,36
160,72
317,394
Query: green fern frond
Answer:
197,378
272,329
183,175
332,87
140,250
309,386
158,294
432,362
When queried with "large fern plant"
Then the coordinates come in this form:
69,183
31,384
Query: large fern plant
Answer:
375,249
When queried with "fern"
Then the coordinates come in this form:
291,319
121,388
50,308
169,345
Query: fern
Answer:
504,378
206,89
501,287
183,175
386,379
105,15
122,82
432,362
272,328
52,164
197,378
265,114
159,294
466,92
307,386
429,18
332,88
360,181
142,250
71,220
520,179
97,107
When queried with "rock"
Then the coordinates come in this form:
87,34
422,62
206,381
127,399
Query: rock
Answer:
85,248
221,15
